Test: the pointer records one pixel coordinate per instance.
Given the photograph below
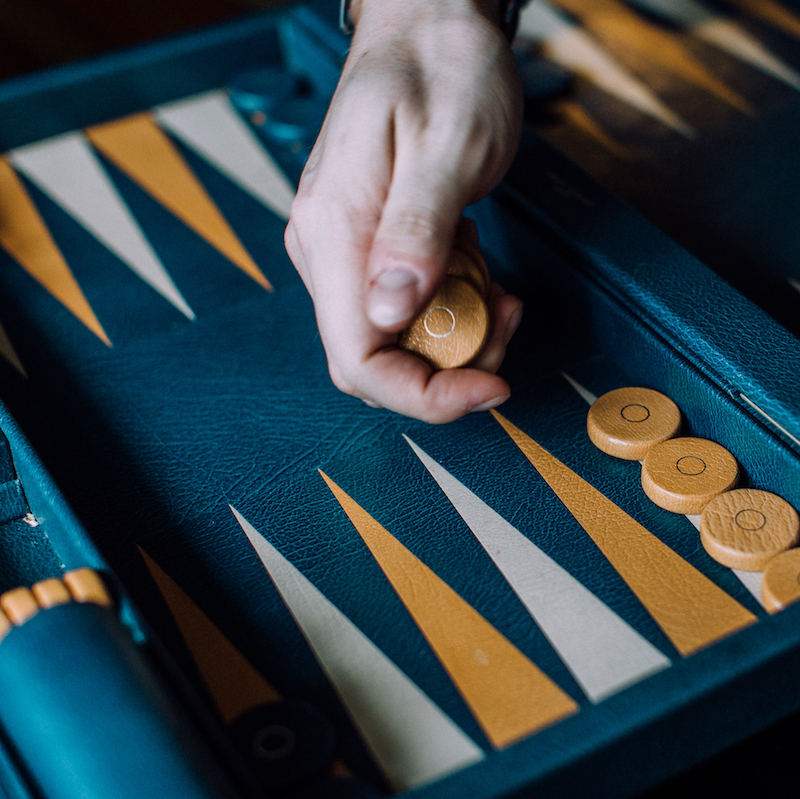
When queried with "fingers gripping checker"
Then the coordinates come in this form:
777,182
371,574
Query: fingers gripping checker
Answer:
467,263
627,422
453,327
684,474
746,528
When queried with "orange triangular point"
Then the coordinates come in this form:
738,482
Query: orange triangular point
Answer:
508,694
145,153
232,681
9,353
773,13
25,236
691,610
578,117
625,31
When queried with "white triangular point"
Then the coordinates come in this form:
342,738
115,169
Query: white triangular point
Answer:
602,651
724,34
573,48
750,580
67,170
412,739
8,352
582,390
209,125
795,284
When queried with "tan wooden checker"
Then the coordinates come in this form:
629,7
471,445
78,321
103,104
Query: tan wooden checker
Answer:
746,528
627,422
684,474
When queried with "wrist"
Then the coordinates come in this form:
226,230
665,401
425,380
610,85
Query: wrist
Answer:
391,11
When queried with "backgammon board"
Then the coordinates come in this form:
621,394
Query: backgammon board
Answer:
305,596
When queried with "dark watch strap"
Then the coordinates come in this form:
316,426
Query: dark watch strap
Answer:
509,17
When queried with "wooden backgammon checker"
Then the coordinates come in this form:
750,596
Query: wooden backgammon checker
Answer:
452,329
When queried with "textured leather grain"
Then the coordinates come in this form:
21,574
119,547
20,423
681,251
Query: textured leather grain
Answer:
154,439
12,500
736,344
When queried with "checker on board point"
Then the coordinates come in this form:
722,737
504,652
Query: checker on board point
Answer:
683,475
780,585
627,422
746,528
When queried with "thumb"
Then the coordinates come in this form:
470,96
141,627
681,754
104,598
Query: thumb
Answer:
411,246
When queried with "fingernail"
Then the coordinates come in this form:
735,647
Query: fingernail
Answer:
513,325
393,297
489,404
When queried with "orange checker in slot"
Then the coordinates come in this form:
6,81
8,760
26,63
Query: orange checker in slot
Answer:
51,592
86,585
19,605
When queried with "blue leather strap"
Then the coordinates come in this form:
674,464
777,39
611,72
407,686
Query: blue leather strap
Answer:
88,717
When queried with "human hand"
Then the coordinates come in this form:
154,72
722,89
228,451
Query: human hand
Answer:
424,121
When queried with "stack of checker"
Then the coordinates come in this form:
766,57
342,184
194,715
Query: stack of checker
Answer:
745,528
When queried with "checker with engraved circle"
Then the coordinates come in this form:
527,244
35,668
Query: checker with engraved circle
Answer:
746,528
467,263
684,474
780,585
627,422
452,329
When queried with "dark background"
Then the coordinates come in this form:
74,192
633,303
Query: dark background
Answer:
39,33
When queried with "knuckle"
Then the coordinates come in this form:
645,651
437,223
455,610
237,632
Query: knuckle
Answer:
417,221
299,210
291,243
301,218
341,379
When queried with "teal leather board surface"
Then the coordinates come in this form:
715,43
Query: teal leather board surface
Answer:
88,92
12,500
750,181
151,440
57,541
28,554
53,704
699,314
179,419
606,318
